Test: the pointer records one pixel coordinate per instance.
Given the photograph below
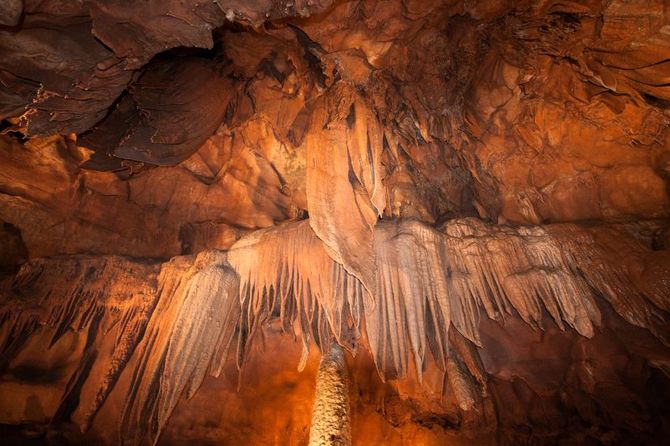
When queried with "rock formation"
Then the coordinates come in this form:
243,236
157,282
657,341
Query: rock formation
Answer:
331,421
464,203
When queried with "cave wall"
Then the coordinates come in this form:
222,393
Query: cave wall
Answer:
528,113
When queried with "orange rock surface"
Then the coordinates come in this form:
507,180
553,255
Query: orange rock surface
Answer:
471,198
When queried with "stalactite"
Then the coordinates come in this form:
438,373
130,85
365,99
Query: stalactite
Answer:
171,328
67,293
427,280
193,322
288,270
331,420
504,270
462,384
411,284
344,190
605,271
467,352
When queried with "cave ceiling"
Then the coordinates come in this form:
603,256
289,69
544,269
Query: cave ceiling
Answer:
473,195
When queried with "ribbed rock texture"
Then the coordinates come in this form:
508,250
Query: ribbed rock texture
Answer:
471,199
331,420
175,322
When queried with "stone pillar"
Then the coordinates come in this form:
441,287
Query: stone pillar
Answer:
331,425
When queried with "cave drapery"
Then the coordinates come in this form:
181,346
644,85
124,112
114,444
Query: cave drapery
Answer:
464,203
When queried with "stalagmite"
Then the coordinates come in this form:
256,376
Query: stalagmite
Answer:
331,423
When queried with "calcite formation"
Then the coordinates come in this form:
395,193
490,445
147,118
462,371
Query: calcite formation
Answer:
463,204
331,420
175,322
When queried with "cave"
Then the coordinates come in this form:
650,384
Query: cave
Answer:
334,222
